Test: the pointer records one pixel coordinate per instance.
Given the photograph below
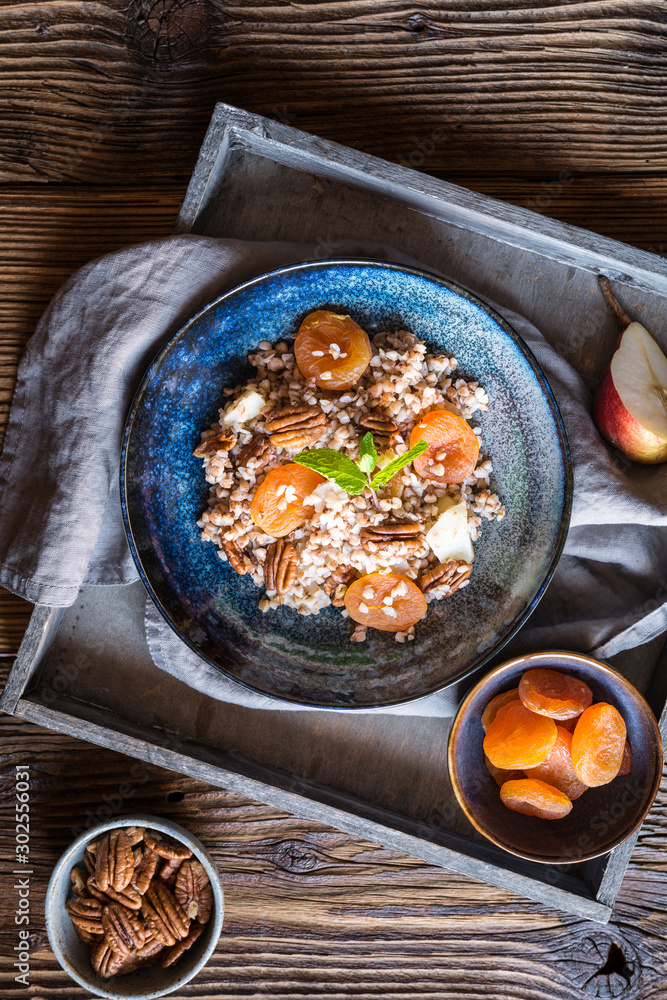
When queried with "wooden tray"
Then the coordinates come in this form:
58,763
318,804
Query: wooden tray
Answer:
380,777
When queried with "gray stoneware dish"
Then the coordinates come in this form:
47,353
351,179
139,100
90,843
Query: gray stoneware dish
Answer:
74,955
310,660
603,817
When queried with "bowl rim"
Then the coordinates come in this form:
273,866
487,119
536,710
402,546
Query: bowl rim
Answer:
564,447
62,869
507,667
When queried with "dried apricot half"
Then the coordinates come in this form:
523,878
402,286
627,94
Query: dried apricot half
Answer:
387,601
453,447
519,738
598,743
552,693
489,713
533,797
558,769
332,349
277,506
499,774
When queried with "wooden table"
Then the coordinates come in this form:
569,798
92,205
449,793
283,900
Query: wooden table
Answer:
559,107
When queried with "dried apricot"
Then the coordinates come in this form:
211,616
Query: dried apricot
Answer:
557,769
549,692
626,762
489,713
518,738
277,506
453,447
499,774
598,743
533,797
387,601
332,349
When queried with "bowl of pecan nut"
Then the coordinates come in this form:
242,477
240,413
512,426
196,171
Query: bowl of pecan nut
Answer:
134,908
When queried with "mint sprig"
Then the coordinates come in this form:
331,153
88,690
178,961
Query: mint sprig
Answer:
355,477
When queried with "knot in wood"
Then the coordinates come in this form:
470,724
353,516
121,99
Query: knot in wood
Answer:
168,31
293,856
603,965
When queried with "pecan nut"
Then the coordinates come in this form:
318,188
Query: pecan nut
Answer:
144,871
166,846
391,533
234,556
86,936
106,962
114,861
122,929
224,441
129,897
173,955
280,567
163,913
86,914
258,446
296,426
78,878
89,861
337,583
193,891
383,428
452,574
169,870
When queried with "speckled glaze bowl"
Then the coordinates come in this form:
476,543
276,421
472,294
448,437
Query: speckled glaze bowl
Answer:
602,818
310,660
74,955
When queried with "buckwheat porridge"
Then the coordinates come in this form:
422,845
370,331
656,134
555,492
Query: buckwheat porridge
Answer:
303,498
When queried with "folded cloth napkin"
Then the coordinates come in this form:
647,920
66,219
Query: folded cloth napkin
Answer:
60,522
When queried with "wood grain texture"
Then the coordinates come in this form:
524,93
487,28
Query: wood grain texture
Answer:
311,911
127,89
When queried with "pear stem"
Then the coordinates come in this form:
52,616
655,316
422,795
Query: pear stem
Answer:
615,306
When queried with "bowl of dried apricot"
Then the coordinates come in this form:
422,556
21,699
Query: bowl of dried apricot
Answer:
555,757
134,908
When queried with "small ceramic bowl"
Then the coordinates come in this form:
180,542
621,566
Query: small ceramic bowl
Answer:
74,955
603,817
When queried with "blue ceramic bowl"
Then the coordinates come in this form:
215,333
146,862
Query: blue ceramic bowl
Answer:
310,660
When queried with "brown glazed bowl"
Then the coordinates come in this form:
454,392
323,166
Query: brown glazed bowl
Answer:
603,817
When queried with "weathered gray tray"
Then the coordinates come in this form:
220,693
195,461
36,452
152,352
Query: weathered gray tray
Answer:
382,777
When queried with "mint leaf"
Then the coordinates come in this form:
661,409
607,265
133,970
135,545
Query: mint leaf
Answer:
368,456
384,475
335,466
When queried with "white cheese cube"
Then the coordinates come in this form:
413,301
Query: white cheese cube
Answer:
245,408
449,537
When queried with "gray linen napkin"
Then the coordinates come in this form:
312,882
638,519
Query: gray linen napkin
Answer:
60,523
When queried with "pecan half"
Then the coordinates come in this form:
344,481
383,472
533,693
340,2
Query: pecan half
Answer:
169,870
453,573
258,446
86,914
135,834
78,878
122,929
163,913
234,556
106,962
128,897
86,936
390,533
341,577
382,427
89,861
114,861
173,955
296,426
224,441
144,871
166,846
193,891
280,566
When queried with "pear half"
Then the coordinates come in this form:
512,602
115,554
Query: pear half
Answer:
630,404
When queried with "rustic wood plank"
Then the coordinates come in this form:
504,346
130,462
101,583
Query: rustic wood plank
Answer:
311,911
126,90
